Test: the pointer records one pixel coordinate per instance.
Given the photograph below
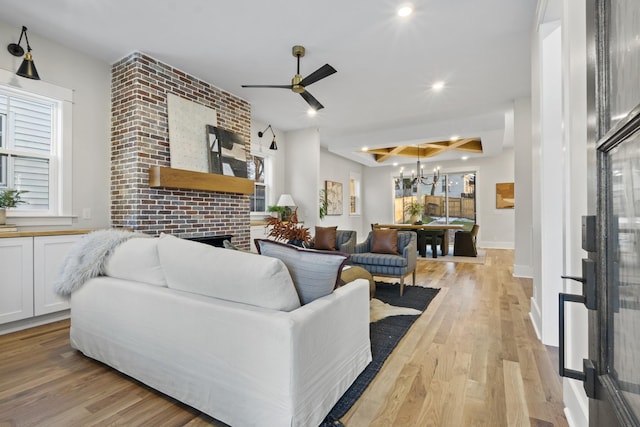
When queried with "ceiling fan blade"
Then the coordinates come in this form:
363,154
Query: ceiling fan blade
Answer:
271,86
311,101
325,71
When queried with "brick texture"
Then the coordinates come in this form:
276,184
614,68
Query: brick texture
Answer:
140,139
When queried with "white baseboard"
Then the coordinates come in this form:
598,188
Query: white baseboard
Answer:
576,403
496,245
524,271
536,318
32,322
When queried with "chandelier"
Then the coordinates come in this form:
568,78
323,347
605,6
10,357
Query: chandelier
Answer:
420,178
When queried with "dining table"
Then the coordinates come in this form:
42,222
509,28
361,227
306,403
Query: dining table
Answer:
435,229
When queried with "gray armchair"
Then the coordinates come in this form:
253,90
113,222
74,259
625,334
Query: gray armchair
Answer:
345,241
388,265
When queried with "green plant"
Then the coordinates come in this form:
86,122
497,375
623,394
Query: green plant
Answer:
324,204
279,209
414,208
11,198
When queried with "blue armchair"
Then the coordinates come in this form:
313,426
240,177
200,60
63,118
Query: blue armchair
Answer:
388,265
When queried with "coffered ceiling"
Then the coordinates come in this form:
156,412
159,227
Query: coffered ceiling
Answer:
381,95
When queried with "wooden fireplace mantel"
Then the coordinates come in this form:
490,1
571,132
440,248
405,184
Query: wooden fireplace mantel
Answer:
164,177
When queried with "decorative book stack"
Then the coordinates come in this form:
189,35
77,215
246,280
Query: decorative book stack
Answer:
7,228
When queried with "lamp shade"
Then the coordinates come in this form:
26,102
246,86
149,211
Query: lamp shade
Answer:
286,200
28,69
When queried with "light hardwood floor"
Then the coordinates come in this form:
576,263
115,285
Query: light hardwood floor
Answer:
472,359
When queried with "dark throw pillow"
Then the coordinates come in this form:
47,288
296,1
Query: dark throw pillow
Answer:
325,238
385,241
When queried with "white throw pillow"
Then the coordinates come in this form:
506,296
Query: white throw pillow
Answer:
314,273
136,259
230,275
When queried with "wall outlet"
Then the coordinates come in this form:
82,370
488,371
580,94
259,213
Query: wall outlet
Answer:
86,213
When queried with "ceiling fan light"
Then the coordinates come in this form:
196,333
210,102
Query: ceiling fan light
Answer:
405,10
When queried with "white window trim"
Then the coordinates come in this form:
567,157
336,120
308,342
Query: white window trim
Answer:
63,185
268,178
357,177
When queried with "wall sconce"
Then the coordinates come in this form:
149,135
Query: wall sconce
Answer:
273,145
27,69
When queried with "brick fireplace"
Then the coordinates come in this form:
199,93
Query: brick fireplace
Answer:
140,139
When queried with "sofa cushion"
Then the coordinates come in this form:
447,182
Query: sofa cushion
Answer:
325,238
136,259
314,273
385,241
230,275
387,260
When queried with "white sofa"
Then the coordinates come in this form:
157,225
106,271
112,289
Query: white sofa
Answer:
154,316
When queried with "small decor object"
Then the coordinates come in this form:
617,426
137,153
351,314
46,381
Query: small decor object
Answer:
227,152
27,68
414,210
9,199
278,210
333,192
505,195
289,231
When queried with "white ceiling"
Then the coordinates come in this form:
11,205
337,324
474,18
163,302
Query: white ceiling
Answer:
381,94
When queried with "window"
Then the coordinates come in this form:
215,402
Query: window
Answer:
35,148
257,172
27,148
354,193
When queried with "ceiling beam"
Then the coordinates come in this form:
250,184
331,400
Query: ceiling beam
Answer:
428,149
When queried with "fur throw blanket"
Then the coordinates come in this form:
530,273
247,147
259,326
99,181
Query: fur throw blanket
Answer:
87,258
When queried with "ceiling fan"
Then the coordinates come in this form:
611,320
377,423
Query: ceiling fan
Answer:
299,84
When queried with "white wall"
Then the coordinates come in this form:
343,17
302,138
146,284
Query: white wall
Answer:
572,19
302,173
336,168
90,80
523,262
496,225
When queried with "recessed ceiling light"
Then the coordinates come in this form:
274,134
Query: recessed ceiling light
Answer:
311,112
454,138
395,163
365,148
439,85
405,10
464,157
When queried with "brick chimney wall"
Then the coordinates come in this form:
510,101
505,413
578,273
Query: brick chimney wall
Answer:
140,139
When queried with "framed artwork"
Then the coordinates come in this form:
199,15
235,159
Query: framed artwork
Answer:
333,192
505,195
227,152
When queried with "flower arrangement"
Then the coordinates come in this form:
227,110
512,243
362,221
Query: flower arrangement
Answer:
289,231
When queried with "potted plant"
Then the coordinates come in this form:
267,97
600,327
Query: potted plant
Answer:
279,210
290,231
9,199
324,204
414,210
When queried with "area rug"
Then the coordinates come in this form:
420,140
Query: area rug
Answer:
480,259
385,334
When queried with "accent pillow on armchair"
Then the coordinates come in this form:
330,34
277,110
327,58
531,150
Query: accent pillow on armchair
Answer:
385,241
325,238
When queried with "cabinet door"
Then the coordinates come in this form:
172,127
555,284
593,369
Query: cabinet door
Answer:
16,280
48,254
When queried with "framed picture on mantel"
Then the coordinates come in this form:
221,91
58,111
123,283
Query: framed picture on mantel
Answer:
227,152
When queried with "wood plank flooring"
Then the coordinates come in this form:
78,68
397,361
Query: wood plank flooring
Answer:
472,359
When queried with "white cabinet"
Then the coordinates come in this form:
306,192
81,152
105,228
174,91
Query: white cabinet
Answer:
16,279
48,254
28,267
257,232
